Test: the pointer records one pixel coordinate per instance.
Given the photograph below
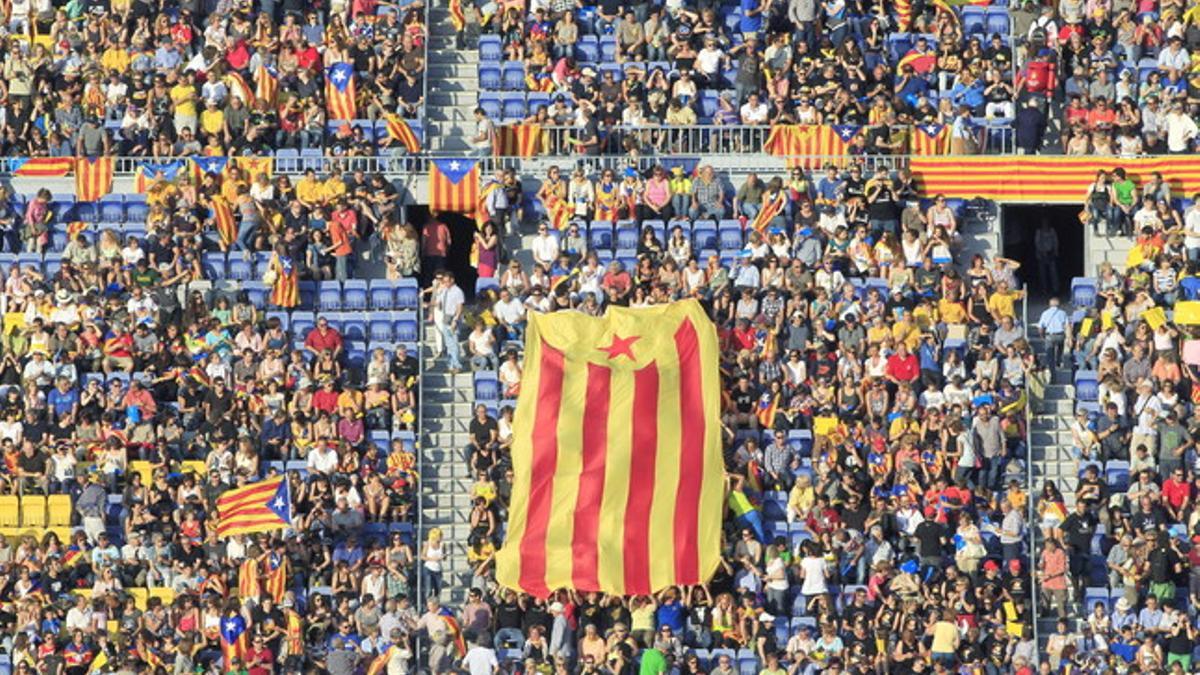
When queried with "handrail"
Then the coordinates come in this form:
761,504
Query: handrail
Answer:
425,59
1031,528
418,450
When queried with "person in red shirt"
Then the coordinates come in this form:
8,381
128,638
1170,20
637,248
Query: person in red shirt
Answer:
616,283
326,398
903,366
342,230
324,337
259,659
118,351
435,245
1177,495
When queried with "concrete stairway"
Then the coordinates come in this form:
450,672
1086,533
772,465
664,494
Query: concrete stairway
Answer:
453,87
445,476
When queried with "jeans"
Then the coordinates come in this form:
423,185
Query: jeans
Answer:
341,267
431,581
993,470
1054,348
486,362
750,210
453,349
245,235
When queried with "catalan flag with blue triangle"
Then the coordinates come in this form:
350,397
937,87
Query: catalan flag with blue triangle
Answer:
266,84
340,92
147,172
233,640
930,139
211,165
259,507
454,185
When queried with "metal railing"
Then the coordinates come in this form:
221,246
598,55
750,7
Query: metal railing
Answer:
1033,394
418,450
998,136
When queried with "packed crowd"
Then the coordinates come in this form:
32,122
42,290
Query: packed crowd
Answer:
1075,77
139,385
873,422
214,78
1123,548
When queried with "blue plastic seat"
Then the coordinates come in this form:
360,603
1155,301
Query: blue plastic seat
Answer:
490,48
408,295
600,235
329,296
536,100
491,105
489,76
513,106
486,284
729,236
1083,292
405,328
627,235
354,294
381,294
487,386
302,324
608,49
257,292
587,48
1086,385
240,269
112,208
136,209
354,328
998,22
513,76
1116,473
379,330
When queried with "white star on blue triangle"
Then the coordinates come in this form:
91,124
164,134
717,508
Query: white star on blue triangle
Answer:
340,74
454,169
281,503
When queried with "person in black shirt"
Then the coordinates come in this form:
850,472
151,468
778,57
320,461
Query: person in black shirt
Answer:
931,537
483,429
1079,528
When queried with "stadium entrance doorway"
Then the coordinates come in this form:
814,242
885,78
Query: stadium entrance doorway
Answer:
462,232
1021,223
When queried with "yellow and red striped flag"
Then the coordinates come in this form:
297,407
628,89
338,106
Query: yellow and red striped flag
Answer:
259,507
93,178
279,570
930,139
40,167
266,84
771,207
481,212
339,92
380,663
456,15
810,145
399,131
239,87
558,210
223,217
589,499
252,166
75,228
454,185
518,140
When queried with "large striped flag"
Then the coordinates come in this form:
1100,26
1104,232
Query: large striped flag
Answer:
252,166
399,131
339,92
771,207
810,145
588,499
233,639
146,172
239,87
518,140
279,570
266,84
930,139
40,167
454,185
93,178
1042,179
223,218
259,507
921,62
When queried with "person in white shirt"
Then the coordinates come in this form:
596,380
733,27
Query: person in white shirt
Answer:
754,111
1174,59
485,132
482,343
511,314
709,59
544,246
322,459
1181,129
481,660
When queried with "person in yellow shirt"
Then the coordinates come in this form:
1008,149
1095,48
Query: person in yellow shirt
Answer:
951,311
309,189
116,58
333,187
183,97
904,330
1002,302
212,120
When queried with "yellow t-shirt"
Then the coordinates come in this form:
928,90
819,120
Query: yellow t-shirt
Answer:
944,635
308,190
951,311
184,97
1001,304
332,189
212,121
115,59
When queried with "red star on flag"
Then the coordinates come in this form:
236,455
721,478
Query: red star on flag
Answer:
620,347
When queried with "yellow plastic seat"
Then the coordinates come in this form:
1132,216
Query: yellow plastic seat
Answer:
10,511
83,592
58,508
140,597
63,534
146,469
33,511
164,593
194,466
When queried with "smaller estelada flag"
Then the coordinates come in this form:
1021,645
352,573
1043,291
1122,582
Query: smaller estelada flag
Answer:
266,84
40,167
93,178
259,507
224,220
339,92
240,88
930,139
399,131
518,140
454,185
456,15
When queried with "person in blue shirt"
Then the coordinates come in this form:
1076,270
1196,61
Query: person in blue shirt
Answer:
62,399
671,612
752,20
1052,325
831,187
